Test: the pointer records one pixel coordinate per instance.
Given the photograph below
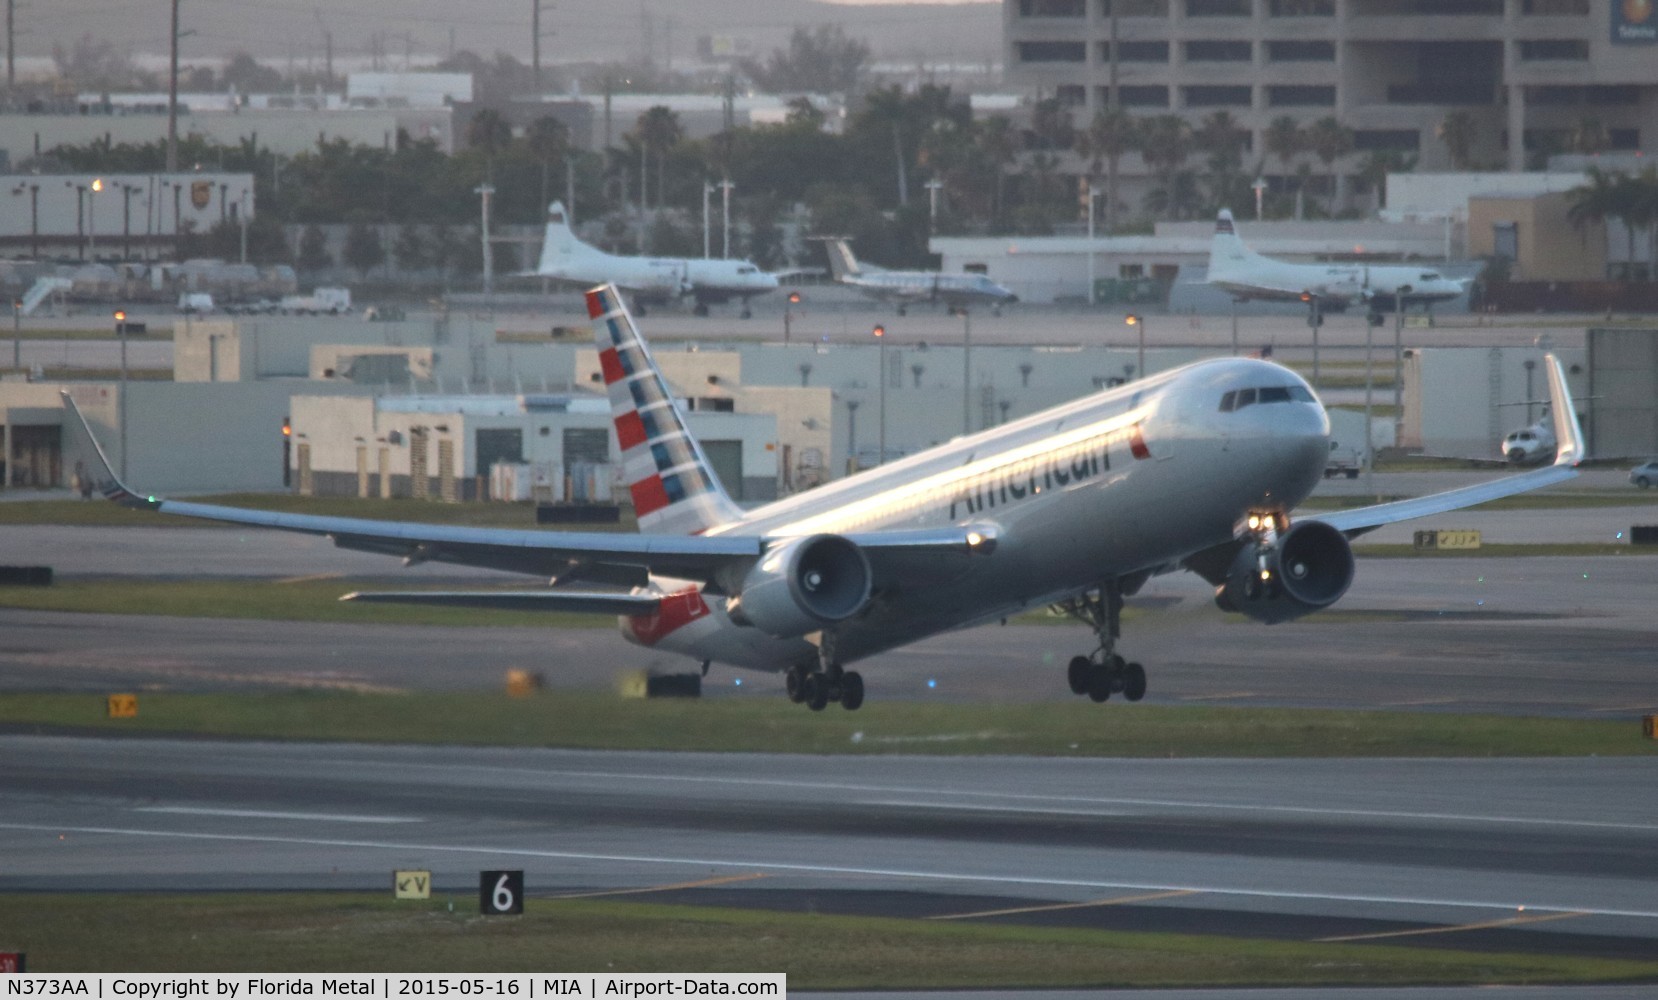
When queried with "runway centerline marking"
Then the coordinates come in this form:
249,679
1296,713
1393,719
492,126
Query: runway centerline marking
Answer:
1541,918
700,884
787,866
959,807
1145,897
263,814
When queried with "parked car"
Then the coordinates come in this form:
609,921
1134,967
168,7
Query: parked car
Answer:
1644,475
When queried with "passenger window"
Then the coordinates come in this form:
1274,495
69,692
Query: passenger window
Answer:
1228,401
1246,397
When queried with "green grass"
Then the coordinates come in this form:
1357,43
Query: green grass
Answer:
309,599
1556,550
358,932
768,723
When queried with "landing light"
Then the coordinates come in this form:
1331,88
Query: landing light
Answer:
974,539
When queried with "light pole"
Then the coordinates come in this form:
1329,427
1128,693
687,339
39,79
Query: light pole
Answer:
1093,193
725,216
127,191
934,186
17,334
707,189
92,217
242,217
1399,364
966,371
1134,320
121,335
485,190
788,314
851,435
80,218
1260,188
881,437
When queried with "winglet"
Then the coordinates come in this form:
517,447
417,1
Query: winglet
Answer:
1570,448
106,481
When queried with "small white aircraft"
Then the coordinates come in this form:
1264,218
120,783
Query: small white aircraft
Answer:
1196,468
955,291
1248,275
656,280
1530,445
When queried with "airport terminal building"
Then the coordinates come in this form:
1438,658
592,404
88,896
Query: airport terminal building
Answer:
1528,73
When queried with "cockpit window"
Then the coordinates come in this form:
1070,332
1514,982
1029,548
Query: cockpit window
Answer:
1240,398
1430,276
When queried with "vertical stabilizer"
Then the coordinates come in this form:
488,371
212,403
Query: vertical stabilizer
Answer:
559,248
842,263
674,488
1227,251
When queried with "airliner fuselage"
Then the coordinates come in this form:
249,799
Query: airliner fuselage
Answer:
1122,482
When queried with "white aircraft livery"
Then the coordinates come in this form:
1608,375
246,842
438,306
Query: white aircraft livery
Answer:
906,288
1248,275
1197,468
653,279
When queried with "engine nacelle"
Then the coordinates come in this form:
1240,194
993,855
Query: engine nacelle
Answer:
803,585
1309,570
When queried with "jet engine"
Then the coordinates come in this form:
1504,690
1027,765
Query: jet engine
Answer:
1308,570
802,585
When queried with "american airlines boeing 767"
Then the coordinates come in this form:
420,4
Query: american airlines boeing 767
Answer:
1193,469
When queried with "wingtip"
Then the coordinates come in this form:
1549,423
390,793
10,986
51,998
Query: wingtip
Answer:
1570,448
105,480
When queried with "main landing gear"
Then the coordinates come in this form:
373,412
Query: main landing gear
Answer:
1103,673
816,688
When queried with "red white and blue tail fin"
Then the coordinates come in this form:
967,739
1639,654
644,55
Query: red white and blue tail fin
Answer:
673,486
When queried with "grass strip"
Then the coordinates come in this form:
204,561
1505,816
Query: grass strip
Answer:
1525,501
316,932
768,723
309,599
1501,551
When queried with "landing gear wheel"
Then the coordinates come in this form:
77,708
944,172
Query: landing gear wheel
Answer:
1134,682
902,311
794,681
1078,674
747,312
852,691
700,309
1099,685
817,693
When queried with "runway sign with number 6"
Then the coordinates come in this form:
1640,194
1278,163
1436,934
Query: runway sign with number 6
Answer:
501,894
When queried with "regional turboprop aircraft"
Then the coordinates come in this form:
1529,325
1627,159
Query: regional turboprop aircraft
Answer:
650,279
1195,468
956,291
1248,275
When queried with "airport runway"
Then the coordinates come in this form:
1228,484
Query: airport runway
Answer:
1544,855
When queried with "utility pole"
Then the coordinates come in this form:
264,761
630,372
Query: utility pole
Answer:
486,190
535,42
11,44
172,100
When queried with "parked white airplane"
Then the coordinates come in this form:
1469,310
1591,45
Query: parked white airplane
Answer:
1248,275
650,279
956,291
1195,468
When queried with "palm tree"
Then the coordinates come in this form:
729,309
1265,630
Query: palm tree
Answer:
548,139
1166,143
1593,203
489,133
999,146
1457,132
1285,139
1224,140
1638,208
887,107
1330,140
659,131
1111,134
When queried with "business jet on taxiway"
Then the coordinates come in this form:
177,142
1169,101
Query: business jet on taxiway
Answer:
907,288
654,280
1248,275
1197,468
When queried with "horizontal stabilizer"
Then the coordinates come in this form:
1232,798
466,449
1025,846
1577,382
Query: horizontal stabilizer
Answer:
517,600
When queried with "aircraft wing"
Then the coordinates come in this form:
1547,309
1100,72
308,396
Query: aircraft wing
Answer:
615,558
517,600
1568,453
